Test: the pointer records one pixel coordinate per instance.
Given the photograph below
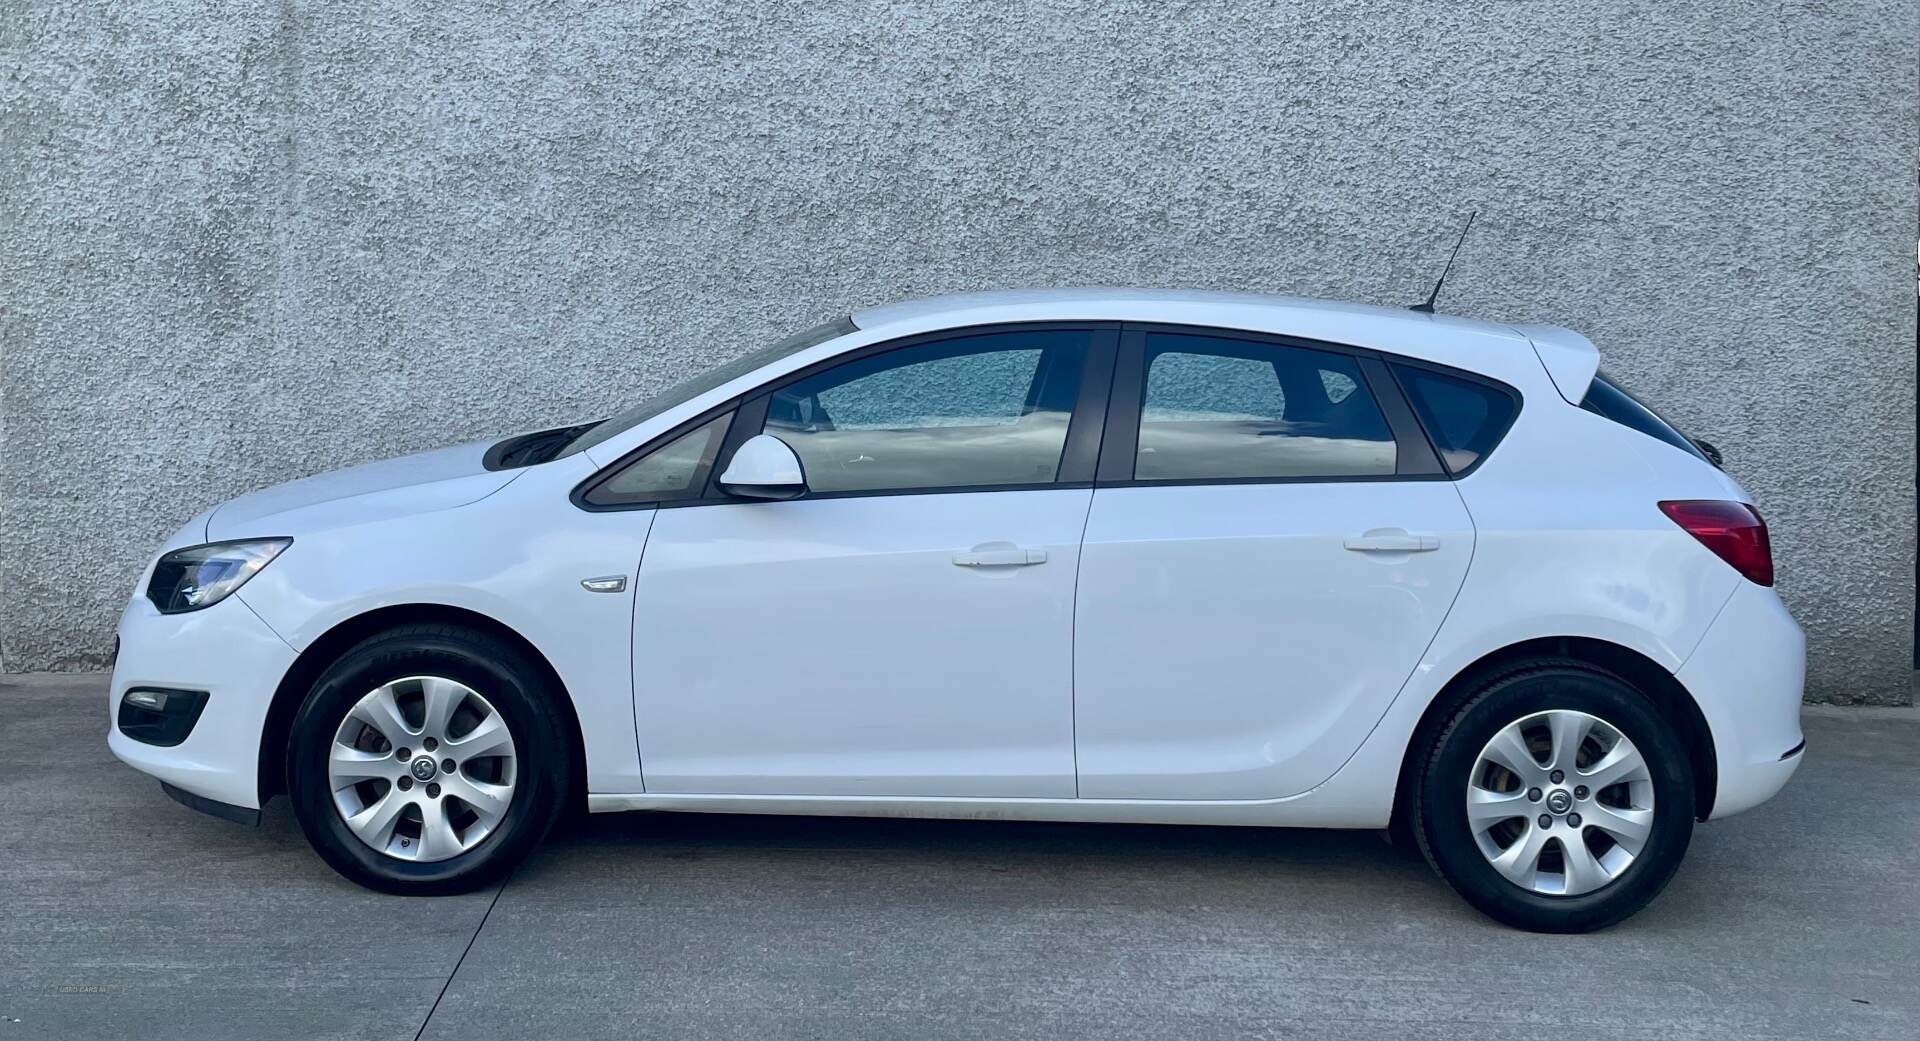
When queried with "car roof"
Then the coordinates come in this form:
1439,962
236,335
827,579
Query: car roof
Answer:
1261,311
1478,346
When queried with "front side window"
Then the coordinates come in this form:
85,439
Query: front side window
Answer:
988,410
1220,409
675,470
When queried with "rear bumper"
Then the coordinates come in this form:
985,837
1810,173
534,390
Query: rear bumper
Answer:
1748,675
225,650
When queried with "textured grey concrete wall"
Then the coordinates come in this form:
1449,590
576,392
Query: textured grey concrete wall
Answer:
241,243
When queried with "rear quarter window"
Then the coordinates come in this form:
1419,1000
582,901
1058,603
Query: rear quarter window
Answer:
1465,418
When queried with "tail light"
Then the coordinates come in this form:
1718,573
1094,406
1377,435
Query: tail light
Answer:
1732,530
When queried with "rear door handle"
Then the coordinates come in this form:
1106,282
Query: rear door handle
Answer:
999,554
1392,540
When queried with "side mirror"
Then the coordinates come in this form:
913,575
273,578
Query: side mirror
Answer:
764,468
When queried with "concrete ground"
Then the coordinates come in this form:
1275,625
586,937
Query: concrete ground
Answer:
125,915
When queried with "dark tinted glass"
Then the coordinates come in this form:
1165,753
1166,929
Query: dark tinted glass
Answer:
1220,409
977,411
1464,418
1607,398
675,470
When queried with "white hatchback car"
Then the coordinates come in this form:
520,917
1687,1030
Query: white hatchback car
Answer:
1097,555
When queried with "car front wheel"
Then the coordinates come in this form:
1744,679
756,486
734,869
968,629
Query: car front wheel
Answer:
427,760
1556,799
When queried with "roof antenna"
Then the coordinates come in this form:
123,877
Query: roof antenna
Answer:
1426,306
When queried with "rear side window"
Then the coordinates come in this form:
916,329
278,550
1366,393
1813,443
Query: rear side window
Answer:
1607,398
1465,418
1221,409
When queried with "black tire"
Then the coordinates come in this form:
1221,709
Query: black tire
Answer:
1439,815
513,685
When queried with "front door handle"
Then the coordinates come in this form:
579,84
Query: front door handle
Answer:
999,554
1392,540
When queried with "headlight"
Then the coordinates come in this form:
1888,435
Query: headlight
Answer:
201,576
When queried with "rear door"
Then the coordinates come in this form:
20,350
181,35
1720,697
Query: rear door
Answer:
1271,547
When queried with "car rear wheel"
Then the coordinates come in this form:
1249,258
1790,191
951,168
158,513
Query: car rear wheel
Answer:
428,759
1556,799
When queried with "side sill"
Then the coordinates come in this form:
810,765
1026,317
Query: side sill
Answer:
1304,810
222,810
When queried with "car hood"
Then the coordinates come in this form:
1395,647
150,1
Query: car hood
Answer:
418,483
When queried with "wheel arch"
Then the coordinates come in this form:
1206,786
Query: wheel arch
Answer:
1669,697
325,650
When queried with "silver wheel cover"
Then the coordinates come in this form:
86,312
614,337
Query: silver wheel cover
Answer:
422,768
1560,802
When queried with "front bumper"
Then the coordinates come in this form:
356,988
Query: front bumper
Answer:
1748,676
225,650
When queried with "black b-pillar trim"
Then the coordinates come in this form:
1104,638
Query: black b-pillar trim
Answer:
1122,441
1086,429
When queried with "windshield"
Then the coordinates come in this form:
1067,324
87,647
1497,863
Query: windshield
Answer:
704,382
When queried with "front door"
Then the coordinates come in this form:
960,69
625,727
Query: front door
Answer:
906,627
1269,553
